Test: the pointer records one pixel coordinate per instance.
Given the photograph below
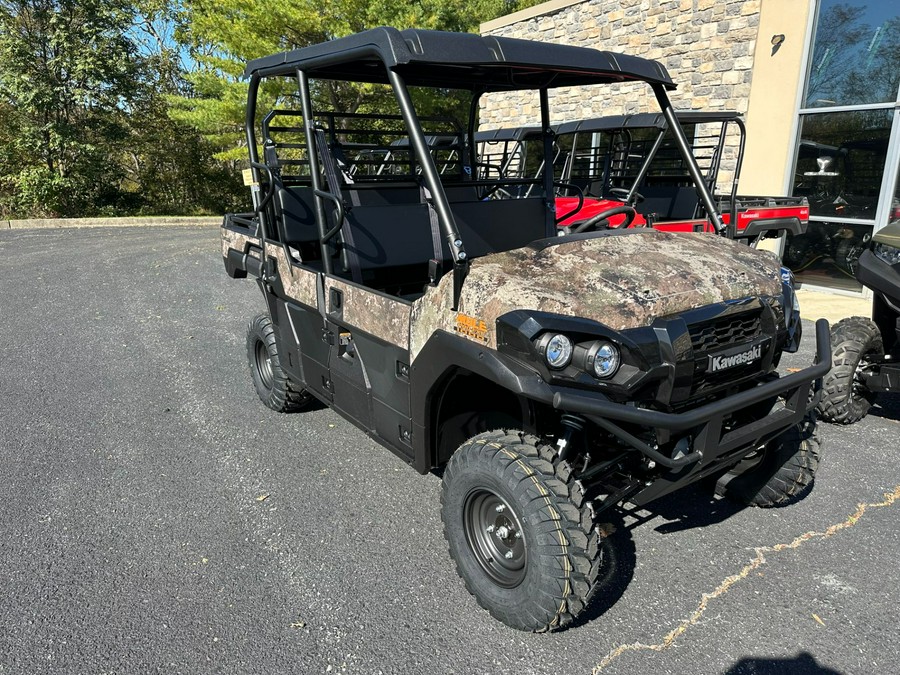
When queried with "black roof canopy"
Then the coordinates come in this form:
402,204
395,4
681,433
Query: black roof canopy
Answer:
644,121
459,61
507,134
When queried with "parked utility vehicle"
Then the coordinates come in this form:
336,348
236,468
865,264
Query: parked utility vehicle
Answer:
866,352
634,160
547,378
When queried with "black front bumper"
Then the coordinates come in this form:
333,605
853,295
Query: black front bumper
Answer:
709,444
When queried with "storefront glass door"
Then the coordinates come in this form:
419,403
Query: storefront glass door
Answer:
844,151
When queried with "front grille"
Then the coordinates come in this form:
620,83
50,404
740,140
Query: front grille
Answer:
721,333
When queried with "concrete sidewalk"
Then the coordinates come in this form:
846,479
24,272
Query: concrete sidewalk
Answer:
56,223
820,305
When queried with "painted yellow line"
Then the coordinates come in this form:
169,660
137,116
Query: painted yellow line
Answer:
758,561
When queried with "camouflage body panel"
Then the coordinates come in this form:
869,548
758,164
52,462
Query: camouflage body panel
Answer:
237,241
376,314
623,281
299,284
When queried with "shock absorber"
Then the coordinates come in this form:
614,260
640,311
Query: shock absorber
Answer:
570,438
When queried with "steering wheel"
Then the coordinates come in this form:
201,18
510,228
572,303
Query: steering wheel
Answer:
621,194
595,222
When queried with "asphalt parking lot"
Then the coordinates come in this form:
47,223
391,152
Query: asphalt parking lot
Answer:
155,517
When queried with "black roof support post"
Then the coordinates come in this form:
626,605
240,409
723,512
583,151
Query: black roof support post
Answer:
685,148
471,144
249,121
645,167
548,135
433,182
315,176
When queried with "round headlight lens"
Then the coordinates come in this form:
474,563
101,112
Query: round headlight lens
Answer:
559,351
606,359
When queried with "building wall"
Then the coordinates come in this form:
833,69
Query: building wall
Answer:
707,46
710,48
773,98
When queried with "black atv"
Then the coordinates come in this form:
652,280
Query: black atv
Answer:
866,352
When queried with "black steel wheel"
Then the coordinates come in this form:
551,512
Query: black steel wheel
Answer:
272,384
495,535
778,474
855,344
519,530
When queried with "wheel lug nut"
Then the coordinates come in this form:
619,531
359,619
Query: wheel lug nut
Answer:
508,555
489,528
500,508
518,535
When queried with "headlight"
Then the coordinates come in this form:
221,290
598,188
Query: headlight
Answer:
603,358
889,254
557,349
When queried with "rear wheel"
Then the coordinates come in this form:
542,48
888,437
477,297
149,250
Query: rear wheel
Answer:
521,535
855,343
272,384
779,473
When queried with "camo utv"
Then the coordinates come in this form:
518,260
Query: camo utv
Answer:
547,378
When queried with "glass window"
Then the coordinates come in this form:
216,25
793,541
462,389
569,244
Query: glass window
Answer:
856,54
840,162
826,255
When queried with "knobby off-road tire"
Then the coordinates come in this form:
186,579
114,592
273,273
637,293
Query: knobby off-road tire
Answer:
779,474
519,530
845,398
272,384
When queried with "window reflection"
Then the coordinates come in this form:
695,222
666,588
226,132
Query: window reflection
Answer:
856,55
840,162
827,254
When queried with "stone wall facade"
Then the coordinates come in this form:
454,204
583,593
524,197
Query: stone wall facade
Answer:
706,45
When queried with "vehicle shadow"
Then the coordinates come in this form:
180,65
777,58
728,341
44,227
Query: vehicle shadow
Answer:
694,506
616,570
803,664
887,406
691,507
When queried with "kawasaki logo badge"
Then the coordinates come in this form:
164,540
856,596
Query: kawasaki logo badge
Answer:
721,361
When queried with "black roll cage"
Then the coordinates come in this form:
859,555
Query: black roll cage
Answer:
462,61
661,124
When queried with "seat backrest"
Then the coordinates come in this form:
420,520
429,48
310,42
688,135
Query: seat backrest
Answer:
498,225
668,202
295,207
391,229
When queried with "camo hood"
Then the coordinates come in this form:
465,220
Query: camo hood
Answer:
623,280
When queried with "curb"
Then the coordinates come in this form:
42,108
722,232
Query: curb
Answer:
57,223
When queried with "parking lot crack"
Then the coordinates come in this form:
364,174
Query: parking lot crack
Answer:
755,563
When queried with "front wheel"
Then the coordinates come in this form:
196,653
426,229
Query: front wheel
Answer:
777,474
855,344
272,384
523,540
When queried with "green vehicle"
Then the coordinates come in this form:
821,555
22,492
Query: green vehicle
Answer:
546,378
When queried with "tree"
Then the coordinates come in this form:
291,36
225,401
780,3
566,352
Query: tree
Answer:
67,72
224,35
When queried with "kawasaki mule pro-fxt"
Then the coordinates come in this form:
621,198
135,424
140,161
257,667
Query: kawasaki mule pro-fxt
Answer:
547,378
